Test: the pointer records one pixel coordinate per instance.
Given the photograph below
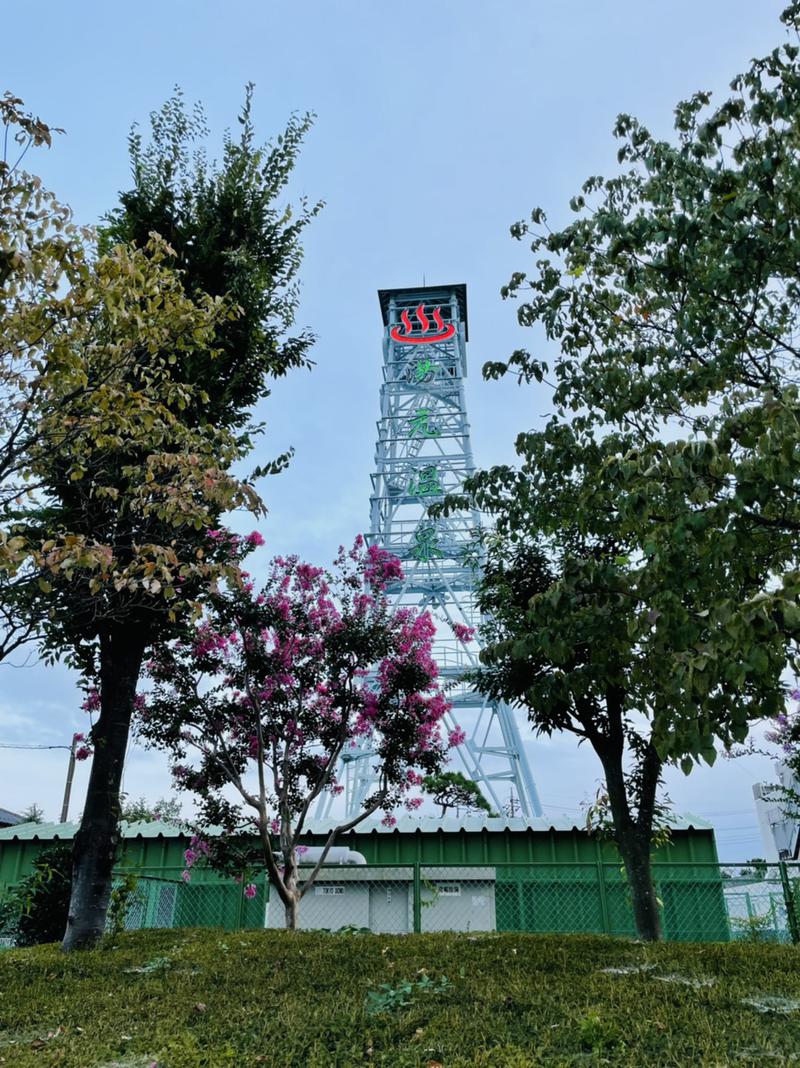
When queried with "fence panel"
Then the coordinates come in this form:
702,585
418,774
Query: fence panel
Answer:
699,902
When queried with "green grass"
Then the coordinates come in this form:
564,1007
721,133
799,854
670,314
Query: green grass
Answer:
188,999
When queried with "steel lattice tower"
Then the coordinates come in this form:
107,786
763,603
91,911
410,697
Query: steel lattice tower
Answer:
423,452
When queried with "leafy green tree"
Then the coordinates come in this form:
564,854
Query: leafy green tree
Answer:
673,299
642,584
128,505
32,814
451,789
140,810
36,909
754,869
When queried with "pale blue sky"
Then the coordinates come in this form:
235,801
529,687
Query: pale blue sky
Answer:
438,125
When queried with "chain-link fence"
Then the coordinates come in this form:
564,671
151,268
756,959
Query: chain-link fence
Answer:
699,902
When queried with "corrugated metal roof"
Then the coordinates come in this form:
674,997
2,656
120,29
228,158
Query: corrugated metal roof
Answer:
9,817
479,822
405,825
47,832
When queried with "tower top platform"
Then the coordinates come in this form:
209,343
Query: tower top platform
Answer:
427,295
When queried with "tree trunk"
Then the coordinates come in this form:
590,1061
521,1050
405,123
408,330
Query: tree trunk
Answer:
633,835
635,851
95,846
291,914
290,885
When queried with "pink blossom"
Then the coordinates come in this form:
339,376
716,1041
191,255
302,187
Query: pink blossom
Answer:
250,891
463,632
190,856
381,568
186,876
255,539
91,703
457,737
83,752
412,803
388,821
78,737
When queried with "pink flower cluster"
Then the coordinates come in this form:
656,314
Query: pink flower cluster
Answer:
82,752
91,702
463,632
457,737
381,567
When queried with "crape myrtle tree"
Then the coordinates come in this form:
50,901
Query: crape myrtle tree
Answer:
258,704
145,495
644,578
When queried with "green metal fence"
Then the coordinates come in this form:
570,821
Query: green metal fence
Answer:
699,902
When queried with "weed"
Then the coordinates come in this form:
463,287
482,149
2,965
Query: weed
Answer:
388,998
598,1034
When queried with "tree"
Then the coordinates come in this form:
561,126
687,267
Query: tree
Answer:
57,303
451,789
41,253
673,298
36,909
126,506
754,869
32,814
140,810
643,577
273,688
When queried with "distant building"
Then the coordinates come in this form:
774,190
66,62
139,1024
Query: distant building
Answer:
9,819
780,835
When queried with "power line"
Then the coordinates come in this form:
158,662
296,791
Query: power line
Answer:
8,745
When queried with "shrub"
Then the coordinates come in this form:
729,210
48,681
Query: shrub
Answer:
36,910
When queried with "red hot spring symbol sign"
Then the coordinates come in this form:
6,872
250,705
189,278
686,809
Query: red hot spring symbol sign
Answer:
439,332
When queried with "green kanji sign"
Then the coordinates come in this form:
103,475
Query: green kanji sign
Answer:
421,424
424,370
426,544
426,484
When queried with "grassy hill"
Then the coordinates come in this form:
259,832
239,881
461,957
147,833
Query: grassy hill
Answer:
188,999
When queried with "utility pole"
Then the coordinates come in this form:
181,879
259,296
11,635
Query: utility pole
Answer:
512,806
70,774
